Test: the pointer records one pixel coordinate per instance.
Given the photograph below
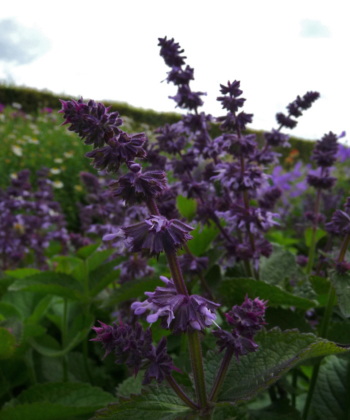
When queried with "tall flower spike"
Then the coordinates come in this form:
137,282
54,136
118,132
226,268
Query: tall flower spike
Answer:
157,234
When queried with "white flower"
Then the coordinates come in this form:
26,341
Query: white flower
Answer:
55,171
14,176
2,117
16,105
57,184
16,150
33,141
68,154
58,160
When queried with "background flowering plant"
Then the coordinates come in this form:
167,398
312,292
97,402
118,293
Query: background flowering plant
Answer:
199,224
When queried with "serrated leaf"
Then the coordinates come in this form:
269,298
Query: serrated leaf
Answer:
9,311
65,264
187,206
280,265
49,282
87,250
277,353
54,401
203,237
155,403
341,283
98,257
331,400
132,290
234,290
7,343
130,386
308,235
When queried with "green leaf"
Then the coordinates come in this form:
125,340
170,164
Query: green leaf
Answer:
203,237
96,276
187,206
66,264
321,286
341,283
155,403
132,290
40,309
5,283
234,290
279,266
331,399
22,273
308,235
7,343
86,251
97,258
287,319
277,353
47,346
54,401
131,385
49,282
104,282
9,311
280,410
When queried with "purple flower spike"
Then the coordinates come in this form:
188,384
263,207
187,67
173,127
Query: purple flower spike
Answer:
248,320
136,187
157,234
121,149
91,121
170,51
178,312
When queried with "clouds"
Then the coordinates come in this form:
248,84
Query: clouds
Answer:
314,29
19,44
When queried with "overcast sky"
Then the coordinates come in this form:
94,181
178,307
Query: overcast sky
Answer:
108,50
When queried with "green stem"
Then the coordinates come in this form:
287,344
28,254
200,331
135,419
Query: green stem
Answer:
314,234
219,380
64,339
294,384
86,312
180,393
176,274
197,368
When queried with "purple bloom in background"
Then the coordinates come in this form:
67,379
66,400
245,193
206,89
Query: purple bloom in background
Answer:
276,139
178,312
134,268
2,107
325,151
341,222
171,52
285,121
185,98
321,179
157,234
193,265
248,320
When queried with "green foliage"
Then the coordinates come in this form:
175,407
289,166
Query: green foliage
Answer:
187,207
308,235
234,290
278,352
203,237
341,284
332,394
56,401
155,403
7,343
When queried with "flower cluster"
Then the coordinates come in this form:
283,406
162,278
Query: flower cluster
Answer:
248,320
134,348
178,312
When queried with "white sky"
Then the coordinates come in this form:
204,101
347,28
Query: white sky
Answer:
108,50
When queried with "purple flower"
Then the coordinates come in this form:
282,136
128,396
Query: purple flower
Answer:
178,312
285,121
341,222
160,363
302,260
134,268
91,121
185,98
235,145
342,267
321,180
169,139
233,89
179,76
248,320
121,148
136,187
157,234
276,139
193,265
326,149
170,51
307,100
269,198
